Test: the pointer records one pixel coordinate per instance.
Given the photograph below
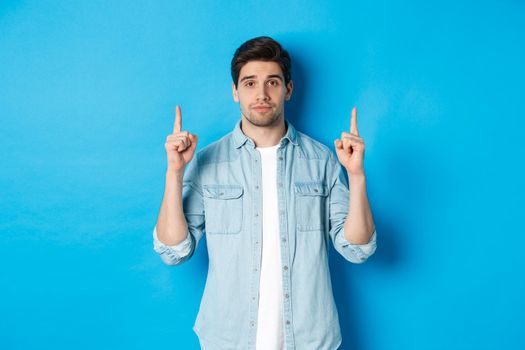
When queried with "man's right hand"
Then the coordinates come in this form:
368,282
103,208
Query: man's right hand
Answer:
180,146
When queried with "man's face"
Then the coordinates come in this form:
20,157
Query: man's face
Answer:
261,92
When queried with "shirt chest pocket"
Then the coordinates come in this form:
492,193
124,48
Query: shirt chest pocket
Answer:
223,208
310,205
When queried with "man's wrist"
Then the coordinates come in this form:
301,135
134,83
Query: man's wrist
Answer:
356,178
174,175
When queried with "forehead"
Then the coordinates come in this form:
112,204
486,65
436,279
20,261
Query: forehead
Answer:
261,69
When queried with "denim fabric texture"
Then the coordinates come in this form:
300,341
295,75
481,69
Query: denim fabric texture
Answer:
222,199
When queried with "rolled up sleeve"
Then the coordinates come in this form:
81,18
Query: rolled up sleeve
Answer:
356,253
172,254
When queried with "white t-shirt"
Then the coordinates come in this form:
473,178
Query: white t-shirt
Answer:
270,318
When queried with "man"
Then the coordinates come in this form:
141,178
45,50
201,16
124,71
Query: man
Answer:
270,199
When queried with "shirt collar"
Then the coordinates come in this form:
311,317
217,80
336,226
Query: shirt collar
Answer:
239,138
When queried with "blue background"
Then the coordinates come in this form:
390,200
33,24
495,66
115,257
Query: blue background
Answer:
87,97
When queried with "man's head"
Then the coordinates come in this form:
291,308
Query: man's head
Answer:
261,74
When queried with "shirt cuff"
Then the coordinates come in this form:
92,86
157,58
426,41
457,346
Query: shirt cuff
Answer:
361,251
182,249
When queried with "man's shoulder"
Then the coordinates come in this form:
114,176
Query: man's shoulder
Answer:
216,151
312,148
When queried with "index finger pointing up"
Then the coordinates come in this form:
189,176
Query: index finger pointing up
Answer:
353,122
178,120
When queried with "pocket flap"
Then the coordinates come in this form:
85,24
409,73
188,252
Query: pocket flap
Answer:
311,188
222,191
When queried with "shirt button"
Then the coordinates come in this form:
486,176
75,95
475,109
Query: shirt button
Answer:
286,267
256,187
280,158
255,270
287,322
252,324
256,214
256,242
286,295
253,298
284,239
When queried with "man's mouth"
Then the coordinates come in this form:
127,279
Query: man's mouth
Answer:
261,108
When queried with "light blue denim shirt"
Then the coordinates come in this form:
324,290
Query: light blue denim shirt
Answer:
222,198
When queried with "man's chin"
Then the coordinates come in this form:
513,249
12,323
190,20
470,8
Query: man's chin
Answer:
262,121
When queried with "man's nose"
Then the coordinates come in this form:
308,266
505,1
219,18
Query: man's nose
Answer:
262,93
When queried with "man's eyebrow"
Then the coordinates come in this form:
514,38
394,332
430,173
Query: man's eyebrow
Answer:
248,77
275,76
269,76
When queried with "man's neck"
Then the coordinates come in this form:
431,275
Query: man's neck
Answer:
264,136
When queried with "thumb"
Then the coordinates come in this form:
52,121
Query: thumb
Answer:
193,138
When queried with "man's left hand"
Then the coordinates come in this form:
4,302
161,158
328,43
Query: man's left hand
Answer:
350,149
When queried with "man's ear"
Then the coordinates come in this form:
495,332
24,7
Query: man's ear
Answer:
289,89
234,93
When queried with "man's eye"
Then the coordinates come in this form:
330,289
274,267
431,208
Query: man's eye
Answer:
273,82
250,83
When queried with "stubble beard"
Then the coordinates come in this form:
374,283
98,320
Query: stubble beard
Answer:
262,121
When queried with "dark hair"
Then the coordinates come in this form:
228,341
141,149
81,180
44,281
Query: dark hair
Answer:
262,48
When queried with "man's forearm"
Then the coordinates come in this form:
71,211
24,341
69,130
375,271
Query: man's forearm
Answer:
172,227
359,225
